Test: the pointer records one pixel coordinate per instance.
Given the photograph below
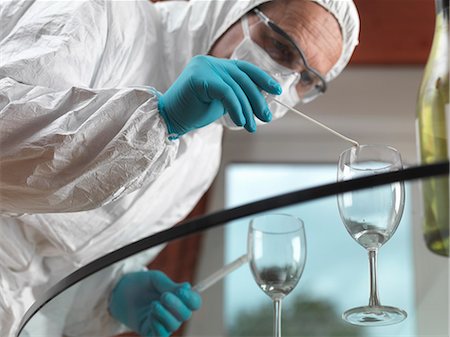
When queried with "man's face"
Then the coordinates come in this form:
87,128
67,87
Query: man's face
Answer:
313,28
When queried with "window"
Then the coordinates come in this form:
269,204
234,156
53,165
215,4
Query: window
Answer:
336,273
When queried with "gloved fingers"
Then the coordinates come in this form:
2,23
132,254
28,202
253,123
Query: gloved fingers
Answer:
161,315
260,77
254,95
176,306
160,282
189,297
159,330
221,91
247,111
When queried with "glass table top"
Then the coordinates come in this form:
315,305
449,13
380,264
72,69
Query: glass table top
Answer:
335,279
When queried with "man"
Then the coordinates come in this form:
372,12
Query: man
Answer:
94,156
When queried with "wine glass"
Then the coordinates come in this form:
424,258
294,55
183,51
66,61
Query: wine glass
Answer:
371,216
277,255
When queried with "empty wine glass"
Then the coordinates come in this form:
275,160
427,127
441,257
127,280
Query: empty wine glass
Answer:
277,254
371,216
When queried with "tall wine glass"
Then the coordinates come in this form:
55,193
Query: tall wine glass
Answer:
371,216
277,255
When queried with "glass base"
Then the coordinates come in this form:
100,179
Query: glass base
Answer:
374,315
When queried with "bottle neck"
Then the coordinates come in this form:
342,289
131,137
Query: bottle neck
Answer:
442,6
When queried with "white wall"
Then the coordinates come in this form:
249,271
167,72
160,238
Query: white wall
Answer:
371,105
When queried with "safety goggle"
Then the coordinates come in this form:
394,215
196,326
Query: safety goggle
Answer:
282,49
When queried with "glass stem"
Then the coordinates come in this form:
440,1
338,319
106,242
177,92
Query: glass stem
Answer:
277,317
373,300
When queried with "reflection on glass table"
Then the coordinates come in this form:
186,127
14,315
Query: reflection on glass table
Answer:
336,276
334,271
277,257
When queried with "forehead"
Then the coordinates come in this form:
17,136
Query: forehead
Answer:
312,27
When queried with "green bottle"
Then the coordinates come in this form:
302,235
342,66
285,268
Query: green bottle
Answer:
433,128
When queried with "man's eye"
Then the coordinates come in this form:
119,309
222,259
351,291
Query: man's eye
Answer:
306,78
283,53
280,46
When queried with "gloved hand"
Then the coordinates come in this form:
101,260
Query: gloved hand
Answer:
151,304
209,87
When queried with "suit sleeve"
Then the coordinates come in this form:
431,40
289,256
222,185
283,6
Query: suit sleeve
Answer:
66,147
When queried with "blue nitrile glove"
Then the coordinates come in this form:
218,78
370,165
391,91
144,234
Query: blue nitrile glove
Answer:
209,87
151,304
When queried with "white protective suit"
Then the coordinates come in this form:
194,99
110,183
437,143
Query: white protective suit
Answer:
85,163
